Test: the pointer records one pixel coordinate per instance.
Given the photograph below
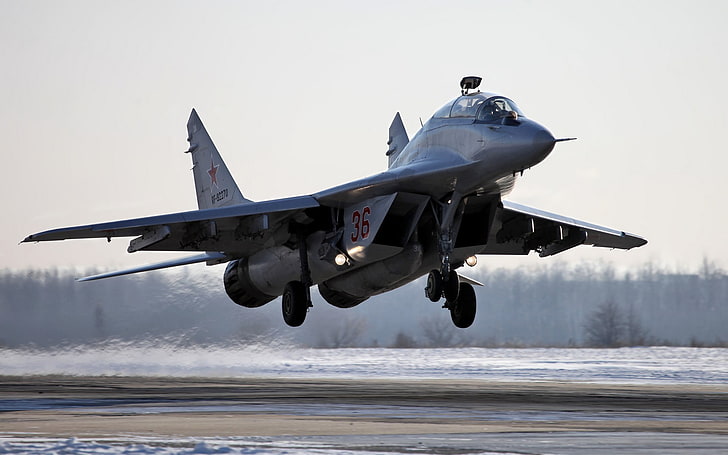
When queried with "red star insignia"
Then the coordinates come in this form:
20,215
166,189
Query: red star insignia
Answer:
213,173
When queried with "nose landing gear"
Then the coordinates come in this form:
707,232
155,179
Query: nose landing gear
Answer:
459,297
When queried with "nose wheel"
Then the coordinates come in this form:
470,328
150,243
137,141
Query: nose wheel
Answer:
433,291
460,298
462,310
439,285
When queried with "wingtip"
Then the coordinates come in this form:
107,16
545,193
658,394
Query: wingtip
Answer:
638,241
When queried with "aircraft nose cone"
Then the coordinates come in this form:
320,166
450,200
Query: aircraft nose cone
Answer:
543,143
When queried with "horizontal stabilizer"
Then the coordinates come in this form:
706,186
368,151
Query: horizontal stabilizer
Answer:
206,257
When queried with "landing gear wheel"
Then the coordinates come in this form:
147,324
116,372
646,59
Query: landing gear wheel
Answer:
295,303
451,286
433,291
462,310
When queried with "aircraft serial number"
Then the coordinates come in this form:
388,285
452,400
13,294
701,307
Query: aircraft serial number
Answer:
219,196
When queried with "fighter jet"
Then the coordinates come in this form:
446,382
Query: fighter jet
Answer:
436,208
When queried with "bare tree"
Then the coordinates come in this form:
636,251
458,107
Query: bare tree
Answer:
402,341
438,331
710,270
344,334
635,333
606,326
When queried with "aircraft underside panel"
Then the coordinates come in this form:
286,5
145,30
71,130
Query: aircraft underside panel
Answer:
354,287
375,236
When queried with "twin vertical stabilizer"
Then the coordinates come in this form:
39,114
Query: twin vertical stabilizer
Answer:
398,139
214,184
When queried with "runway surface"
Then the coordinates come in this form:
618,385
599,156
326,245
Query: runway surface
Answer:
74,414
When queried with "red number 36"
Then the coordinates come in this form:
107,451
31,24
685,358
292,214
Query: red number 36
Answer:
361,224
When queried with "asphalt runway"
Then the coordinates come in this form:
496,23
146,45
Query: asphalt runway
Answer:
388,416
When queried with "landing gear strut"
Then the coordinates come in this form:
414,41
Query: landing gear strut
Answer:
451,286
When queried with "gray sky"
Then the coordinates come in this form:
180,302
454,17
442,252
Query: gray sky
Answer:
298,97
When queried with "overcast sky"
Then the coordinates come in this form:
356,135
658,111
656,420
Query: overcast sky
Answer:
298,97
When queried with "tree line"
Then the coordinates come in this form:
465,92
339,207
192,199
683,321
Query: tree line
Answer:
554,304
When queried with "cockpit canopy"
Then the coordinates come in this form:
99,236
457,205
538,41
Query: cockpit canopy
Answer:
482,107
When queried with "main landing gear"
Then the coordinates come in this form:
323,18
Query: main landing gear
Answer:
297,294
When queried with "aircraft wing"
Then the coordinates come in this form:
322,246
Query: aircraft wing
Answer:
524,228
238,230
241,230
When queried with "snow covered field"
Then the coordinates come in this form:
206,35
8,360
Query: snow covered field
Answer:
243,446
653,365
656,365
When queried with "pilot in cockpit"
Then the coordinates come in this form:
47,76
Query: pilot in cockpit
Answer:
495,110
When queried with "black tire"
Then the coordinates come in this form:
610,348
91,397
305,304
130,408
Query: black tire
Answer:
295,304
451,286
462,311
433,291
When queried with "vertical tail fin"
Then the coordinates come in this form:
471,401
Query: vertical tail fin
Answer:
398,139
214,185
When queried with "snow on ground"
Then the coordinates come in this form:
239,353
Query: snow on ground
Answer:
652,365
162,446
47,446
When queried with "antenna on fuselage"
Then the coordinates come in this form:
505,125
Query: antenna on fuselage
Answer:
469,83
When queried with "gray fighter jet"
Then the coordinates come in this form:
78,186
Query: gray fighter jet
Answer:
437,206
